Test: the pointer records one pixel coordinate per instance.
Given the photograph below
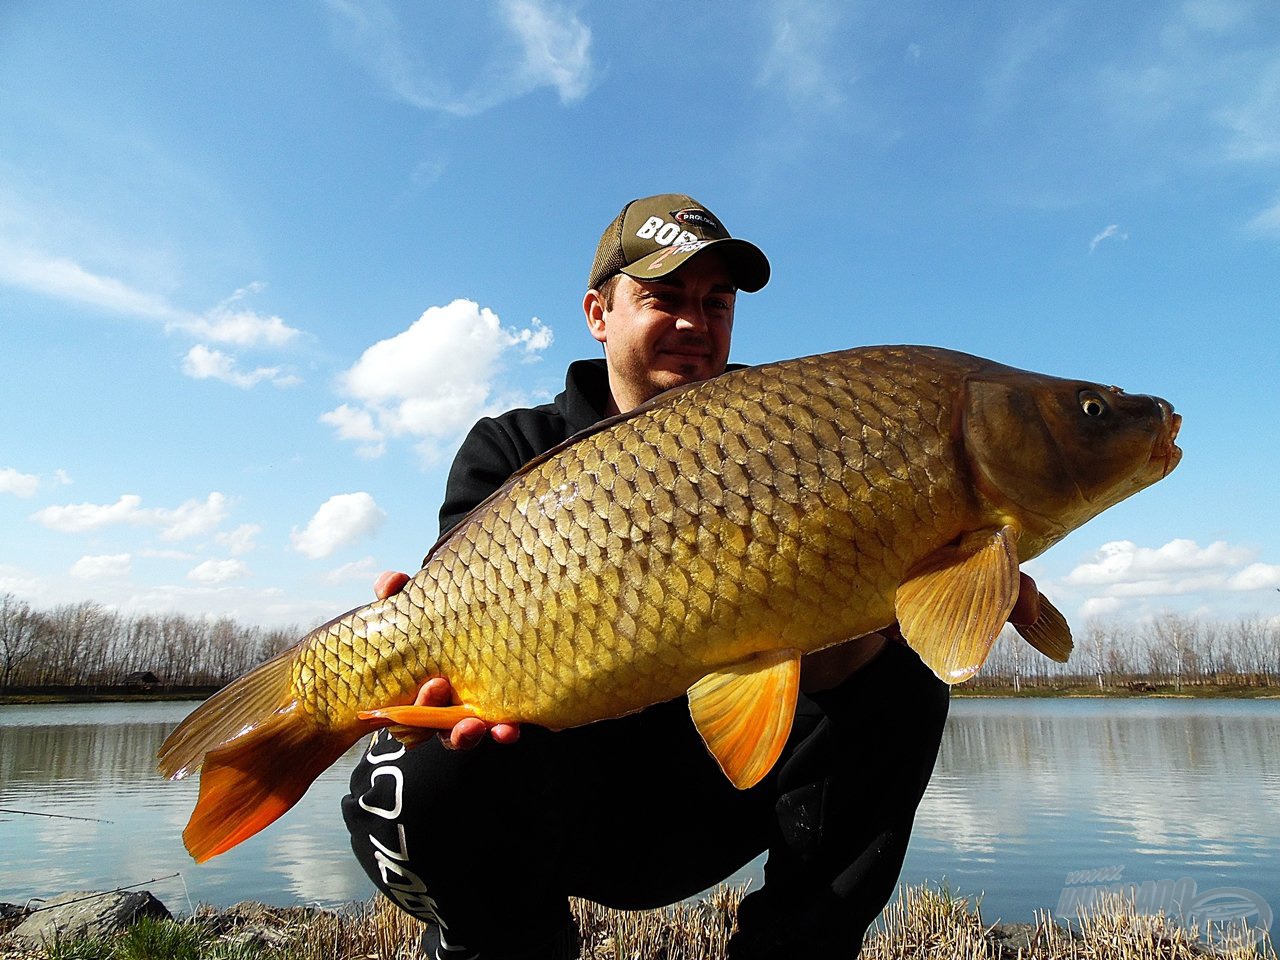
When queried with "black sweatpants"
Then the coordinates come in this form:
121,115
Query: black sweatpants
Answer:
634,813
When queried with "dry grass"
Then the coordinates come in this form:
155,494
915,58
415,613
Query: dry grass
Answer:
926,922
921,922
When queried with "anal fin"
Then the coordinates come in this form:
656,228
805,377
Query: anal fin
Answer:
415,725
952,606
744,713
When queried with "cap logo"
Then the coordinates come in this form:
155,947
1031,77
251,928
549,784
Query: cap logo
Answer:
685,246
663,232
698,217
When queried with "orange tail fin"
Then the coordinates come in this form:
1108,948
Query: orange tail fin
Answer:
250,783
259,751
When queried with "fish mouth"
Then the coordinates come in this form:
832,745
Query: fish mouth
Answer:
1167,454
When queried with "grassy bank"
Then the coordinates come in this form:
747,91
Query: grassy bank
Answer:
921,922
102,694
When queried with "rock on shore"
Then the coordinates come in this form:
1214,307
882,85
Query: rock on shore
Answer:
86,913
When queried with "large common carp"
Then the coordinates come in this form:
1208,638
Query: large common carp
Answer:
702,543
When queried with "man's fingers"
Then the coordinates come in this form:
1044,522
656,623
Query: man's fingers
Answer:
389,583
1027,608
505,732
436,692
471,732
467,733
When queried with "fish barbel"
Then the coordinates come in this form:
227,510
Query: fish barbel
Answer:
701,544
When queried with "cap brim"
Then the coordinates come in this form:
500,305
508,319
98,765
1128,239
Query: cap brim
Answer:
746,262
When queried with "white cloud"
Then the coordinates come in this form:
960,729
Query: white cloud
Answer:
1111,232
204,363
103,567
1203,83
79,517
799,59
240,540
1021,50
356,424
1256,576
62,477
364,569
1123,561
241,327
341,520
64,279
19,484
1268,220
218,571
1099,607
190,519
556,46
540,43
433,380
1254,121
1122,576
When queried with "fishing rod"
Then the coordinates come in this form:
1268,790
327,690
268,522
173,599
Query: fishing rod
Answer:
59,816
101,893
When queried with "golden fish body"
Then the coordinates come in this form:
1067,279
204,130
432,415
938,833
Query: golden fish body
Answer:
768,509
703,543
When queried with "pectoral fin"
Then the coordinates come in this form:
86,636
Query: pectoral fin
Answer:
1050,633
952,606
744,713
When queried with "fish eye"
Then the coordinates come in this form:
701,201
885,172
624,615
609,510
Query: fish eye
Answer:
1093,404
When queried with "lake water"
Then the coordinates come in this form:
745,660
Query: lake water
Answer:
1028,797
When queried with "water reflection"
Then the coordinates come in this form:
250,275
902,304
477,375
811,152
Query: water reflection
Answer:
97,760
1024,793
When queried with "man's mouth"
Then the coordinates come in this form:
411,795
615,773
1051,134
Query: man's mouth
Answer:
698,351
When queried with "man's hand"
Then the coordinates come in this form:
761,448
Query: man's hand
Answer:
1027,607
438,692
388,583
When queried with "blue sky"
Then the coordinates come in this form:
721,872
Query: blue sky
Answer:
262,264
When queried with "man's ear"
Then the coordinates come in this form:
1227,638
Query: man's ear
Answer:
594,309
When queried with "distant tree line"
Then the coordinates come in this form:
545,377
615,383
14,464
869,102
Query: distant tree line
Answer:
86,644
1169,651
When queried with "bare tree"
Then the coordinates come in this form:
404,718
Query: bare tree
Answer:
1096,648
18,636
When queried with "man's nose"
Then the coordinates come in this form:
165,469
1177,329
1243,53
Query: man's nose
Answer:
691,317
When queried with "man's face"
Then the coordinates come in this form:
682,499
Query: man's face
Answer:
664,333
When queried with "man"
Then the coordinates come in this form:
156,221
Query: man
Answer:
487,842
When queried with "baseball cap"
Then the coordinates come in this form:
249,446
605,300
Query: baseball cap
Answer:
653,236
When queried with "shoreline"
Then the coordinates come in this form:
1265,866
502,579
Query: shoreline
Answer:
1138,690
924,920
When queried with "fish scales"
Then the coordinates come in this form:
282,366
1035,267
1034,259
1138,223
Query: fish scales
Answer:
768,508
702,543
